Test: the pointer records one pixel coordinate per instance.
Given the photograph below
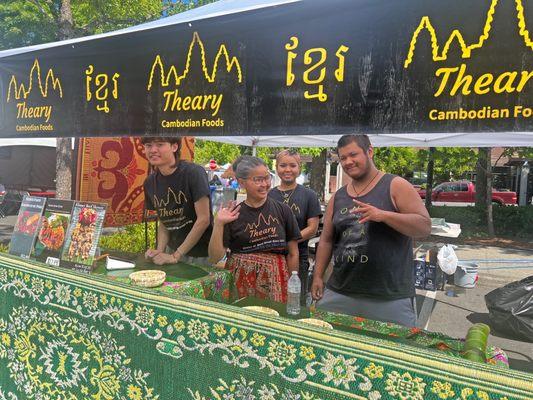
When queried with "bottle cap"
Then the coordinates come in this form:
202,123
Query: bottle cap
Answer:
294,272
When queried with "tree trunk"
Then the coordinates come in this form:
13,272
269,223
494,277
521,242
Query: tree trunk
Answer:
490,221
429,178
66,24
63,168
318,174
481,177
64,145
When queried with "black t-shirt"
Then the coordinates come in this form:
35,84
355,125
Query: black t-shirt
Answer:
304,204
173,197
264,229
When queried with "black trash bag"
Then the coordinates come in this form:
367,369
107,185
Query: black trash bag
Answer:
511,309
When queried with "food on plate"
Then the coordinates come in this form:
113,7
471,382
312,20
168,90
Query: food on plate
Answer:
263,310
82,238
28,222
87,216
52,233
148,278
316,322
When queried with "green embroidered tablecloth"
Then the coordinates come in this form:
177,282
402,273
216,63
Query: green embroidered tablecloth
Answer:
382,330
182,279
64,335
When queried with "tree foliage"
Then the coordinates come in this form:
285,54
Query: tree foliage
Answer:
518,152
451,163
223,153
171,7
29,22
402,161
227,153
22,23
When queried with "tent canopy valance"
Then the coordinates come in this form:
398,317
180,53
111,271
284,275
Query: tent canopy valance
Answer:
409,72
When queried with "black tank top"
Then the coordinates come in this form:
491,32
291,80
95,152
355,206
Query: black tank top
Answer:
370,259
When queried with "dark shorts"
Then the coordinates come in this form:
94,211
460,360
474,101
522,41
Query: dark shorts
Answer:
401,311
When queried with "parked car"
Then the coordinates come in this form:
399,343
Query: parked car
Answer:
464,193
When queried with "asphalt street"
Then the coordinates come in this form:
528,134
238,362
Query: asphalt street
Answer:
455,309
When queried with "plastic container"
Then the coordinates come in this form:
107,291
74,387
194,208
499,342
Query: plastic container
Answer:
294,288
466,275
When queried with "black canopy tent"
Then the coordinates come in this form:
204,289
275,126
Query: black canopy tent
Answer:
409,72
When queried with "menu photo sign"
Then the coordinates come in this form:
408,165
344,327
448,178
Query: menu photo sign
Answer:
53,231
27,226
83,235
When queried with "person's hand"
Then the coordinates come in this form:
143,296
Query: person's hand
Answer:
317,288
228,213
367,212
151,253
164,258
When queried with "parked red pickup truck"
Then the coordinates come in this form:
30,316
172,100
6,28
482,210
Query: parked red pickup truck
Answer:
464,193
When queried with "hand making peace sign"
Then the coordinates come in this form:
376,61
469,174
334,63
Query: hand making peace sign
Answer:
367,212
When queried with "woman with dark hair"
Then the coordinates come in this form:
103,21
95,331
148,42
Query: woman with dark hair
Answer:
261,234
178,190
302,201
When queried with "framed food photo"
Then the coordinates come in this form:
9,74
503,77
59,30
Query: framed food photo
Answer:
53,231
83,235
27,225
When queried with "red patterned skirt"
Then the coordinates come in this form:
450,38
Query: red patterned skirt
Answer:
261,275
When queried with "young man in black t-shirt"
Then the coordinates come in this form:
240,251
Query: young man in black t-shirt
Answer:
303,203
179,192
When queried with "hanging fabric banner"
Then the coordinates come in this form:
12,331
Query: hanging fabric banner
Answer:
112,171
289,67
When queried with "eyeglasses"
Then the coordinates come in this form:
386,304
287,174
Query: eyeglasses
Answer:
258,180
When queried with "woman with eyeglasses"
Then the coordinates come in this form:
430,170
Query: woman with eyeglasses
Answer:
261,234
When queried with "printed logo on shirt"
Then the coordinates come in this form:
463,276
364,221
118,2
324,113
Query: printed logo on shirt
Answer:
175,201
179,199
262,228
295,209
353,242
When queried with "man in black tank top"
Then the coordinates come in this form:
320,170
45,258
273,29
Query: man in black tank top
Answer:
368,228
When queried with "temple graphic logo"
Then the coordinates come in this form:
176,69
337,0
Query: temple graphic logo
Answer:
167,77
179,199
466,50
23,90
261,222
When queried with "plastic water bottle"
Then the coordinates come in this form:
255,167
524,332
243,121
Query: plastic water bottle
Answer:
294,289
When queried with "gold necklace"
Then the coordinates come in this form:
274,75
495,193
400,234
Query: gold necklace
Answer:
286,197
358,194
